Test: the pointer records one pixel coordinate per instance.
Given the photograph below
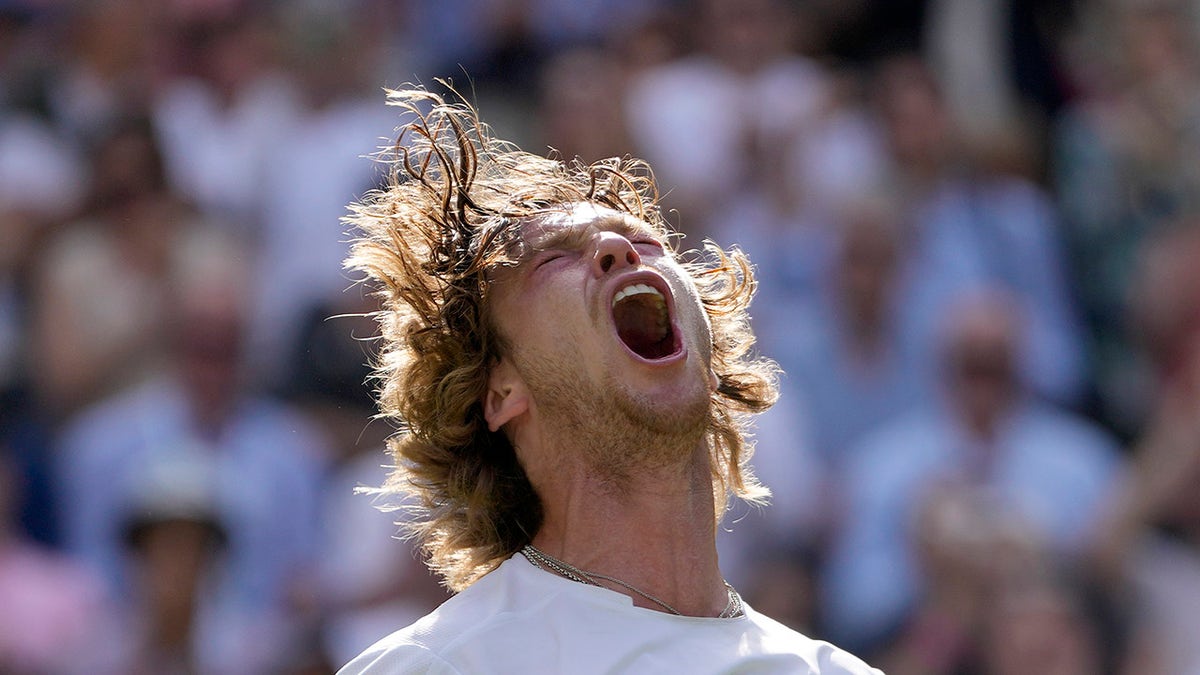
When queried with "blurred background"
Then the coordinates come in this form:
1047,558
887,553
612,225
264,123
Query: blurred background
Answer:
977,237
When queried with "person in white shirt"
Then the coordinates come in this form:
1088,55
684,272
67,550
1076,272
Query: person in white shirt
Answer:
572,398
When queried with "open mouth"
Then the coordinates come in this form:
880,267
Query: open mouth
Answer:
643,322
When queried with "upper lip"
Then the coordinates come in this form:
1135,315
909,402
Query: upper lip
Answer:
647,277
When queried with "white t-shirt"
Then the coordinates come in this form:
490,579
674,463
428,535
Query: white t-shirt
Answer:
520,619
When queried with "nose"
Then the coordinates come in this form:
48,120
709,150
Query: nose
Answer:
612,251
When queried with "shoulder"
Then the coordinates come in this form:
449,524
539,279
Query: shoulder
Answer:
1070,425
396,655
273,430
1063,436
914,439
428,644
415,649
118,419
822,658
924,423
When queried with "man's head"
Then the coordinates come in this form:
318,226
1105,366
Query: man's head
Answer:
981,354
868,264
521,291
605,347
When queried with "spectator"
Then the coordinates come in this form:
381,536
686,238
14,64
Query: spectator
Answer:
173,531
717,121
323,162
98,301
106,70
580,105
1044,625
1124,169
222,122
977,227
1151,547
268,462
987,447
42,182
367,582
997,63
852,353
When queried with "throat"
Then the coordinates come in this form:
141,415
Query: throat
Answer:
540,559
661,545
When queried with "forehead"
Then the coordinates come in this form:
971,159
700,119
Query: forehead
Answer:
579,219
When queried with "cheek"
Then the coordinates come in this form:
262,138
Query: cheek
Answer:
692,317
533,312
547,319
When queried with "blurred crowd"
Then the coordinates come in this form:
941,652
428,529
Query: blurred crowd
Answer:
976,227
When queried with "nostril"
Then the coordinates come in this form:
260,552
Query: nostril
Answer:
631,257
606,262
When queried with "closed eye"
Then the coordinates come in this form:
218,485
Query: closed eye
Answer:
549,257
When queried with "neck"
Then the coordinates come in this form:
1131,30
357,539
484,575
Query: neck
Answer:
656,532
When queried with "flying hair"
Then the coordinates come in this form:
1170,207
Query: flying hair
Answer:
429,243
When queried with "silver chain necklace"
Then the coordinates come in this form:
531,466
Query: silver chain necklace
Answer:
544,561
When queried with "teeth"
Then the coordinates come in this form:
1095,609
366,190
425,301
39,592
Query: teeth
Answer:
636,289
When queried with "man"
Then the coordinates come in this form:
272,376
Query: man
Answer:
572,399
946,501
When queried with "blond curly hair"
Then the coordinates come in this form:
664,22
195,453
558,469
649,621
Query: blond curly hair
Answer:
428,243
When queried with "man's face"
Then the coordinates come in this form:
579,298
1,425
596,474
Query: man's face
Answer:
606,329
981,360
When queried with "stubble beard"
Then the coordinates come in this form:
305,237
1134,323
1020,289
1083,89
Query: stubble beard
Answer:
618,433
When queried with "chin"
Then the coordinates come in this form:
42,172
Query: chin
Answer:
675,407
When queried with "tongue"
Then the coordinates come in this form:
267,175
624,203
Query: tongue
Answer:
640,327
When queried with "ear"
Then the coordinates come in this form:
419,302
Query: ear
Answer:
506,397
